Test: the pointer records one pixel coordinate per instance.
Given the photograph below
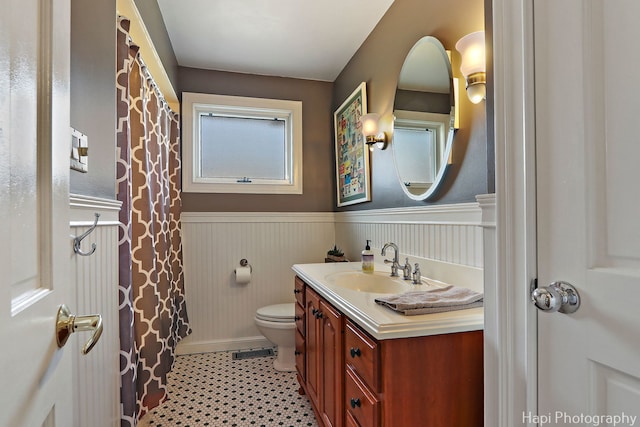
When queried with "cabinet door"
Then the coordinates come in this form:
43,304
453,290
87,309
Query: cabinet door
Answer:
312,307
349,421
300,353
300,319
332,365
299,291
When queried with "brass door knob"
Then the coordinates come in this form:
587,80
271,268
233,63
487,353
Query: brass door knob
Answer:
67,323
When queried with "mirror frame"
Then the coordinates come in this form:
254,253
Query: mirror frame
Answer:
450,131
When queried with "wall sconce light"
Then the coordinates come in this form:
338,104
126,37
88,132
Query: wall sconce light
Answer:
373,138
473,65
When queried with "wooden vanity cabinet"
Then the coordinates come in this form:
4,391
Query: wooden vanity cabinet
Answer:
435,380
354,380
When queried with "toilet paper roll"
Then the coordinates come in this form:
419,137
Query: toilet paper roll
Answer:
243,274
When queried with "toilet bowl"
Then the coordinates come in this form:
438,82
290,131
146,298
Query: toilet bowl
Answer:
277,324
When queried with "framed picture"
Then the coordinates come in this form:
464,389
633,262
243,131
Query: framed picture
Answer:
352,155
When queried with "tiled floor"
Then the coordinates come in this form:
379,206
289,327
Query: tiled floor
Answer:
211,389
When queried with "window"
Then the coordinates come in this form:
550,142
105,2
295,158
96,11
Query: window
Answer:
418,160
241,145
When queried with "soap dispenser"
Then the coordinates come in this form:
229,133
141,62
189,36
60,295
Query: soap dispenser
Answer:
367,258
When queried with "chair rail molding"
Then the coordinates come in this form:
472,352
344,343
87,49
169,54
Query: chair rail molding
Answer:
83,207
452,214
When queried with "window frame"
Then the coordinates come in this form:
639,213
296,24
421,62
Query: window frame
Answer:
195,104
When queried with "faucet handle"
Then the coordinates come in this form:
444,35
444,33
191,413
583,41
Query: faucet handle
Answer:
417,275
406,270
394,267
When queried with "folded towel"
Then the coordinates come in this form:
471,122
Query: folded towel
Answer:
436,300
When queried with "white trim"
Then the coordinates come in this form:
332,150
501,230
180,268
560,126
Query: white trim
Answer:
255,217
510,327
196,103
185,347
453,214
82,209
81,201
487,204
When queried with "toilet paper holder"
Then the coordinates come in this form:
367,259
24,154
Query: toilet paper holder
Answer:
244,263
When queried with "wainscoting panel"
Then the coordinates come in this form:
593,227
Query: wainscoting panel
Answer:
446,240
220,310
96,375
449,234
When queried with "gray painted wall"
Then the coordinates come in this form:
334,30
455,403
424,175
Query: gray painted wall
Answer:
378,63
93,80
93,93
318,185
491,134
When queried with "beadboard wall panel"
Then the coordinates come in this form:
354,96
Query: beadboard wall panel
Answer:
95,280
221,311
450,234
445,239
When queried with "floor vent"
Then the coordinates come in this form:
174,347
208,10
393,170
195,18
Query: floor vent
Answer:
250,354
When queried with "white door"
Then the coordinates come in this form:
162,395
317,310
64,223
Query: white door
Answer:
35,376
587,96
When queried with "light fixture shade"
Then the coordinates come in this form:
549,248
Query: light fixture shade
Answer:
476,92
370,124
472,51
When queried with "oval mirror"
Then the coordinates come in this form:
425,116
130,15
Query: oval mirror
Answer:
424,117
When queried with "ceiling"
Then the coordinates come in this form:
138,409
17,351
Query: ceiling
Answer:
307,39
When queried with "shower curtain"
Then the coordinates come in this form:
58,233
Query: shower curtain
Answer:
153,315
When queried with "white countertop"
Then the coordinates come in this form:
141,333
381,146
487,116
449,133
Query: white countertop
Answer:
379,321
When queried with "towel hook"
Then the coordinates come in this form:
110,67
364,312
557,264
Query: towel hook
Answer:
78,239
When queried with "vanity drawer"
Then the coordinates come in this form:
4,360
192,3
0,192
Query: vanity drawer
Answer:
361,354
300,356
298,290
300,319
360,402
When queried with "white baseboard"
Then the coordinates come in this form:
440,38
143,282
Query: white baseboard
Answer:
222,345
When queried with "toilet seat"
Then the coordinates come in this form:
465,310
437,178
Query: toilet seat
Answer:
277,313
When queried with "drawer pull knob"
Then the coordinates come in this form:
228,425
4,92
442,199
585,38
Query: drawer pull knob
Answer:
355,352
297,291
355,403
314,311
296,318
297,353
318,314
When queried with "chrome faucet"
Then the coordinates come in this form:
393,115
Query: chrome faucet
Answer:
395,263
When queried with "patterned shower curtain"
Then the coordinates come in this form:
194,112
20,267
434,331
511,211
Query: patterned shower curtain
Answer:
153,314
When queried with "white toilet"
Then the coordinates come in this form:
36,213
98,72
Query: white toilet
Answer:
277,324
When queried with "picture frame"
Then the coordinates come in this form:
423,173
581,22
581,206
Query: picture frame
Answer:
353,176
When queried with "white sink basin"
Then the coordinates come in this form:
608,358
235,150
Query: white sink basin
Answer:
376,282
